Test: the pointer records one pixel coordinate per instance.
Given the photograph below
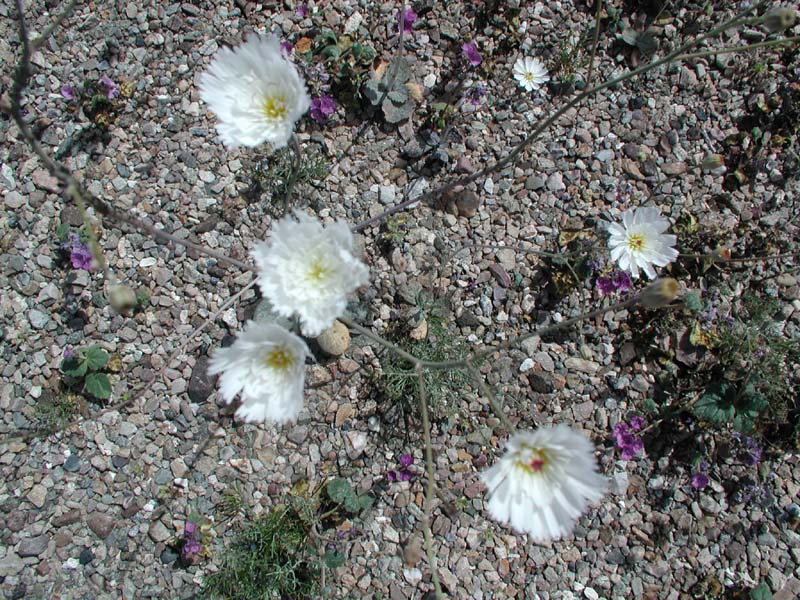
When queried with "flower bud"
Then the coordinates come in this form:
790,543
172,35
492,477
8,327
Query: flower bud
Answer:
659,293
780,19
121,297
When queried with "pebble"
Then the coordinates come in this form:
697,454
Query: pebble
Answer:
335,340
101,524
33,546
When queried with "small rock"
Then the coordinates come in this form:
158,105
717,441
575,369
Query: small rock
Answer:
14,200
72,464
158,532
68,518
355,443
507,258
201,384
526,365
101,524
169,556
335,340
38,319
541,382
420,332
37,495
33,546
86,556
463,165
500,275
343,413
674,168
555,182
467,204
297,434
43,180
579,364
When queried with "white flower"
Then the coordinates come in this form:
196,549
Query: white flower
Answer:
266,364
530,73
309,269
256,93
640,242
544,482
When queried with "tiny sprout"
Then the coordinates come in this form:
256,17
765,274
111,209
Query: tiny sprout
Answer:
660,293
780,19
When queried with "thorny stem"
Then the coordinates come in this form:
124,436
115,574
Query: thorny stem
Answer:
520,148
431,484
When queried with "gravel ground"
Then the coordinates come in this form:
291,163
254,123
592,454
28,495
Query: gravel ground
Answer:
91,511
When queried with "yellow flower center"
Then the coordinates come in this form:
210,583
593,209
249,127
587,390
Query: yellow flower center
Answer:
317,271
279,359
274,107
530,77
636,242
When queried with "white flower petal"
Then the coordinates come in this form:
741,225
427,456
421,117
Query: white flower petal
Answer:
544,482
256,93
639,242
266,364
309,270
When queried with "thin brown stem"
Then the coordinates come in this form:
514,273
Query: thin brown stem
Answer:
431,484
486,391
594,41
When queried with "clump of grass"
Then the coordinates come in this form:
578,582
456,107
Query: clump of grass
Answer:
55,411
273,558
232,502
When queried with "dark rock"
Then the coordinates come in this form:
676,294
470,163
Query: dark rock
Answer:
16,520
467,204
541,382
33,546
71,216
467,319
119,461
86,556
169,556
201,384
500,275
72,464
68,518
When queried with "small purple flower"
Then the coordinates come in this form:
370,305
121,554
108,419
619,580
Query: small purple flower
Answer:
81,257
406,460
407,18
476,93
190,549
631,446
471,52
322,108
286,49
302,10
636,423
405,475
605,285
619,430
69,352
112,90
391,475
699,480
189,529
68,92
621,281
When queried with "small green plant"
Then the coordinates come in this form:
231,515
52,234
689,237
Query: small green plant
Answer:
392,91
280,172
232,502
271,559
340,491
83,370
55,411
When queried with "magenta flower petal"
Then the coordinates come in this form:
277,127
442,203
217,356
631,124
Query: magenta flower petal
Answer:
406,460
471,52
699,480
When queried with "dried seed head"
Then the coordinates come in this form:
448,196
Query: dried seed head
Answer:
121,297
660,293
780,19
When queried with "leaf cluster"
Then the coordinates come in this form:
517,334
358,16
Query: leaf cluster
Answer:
84,369
390,91
340,491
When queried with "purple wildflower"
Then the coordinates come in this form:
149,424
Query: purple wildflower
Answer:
618,431
189,529
636,423
406,460
407,18
190,549
391,475
69,352
621,281
699,480
605,285
112,90
81,257
476,93
471,52
631,446
322,108
405,475
302,10
68,92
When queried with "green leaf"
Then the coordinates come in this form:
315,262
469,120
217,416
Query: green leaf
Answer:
333,559
339,490
363,53
62,231
351,504
761,592
331,51
98,385
714,406
96,358
364,502
692,301
74,367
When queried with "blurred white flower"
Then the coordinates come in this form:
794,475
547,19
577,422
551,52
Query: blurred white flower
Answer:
640,242
256,93
544,482
266,364
309,270
530,73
